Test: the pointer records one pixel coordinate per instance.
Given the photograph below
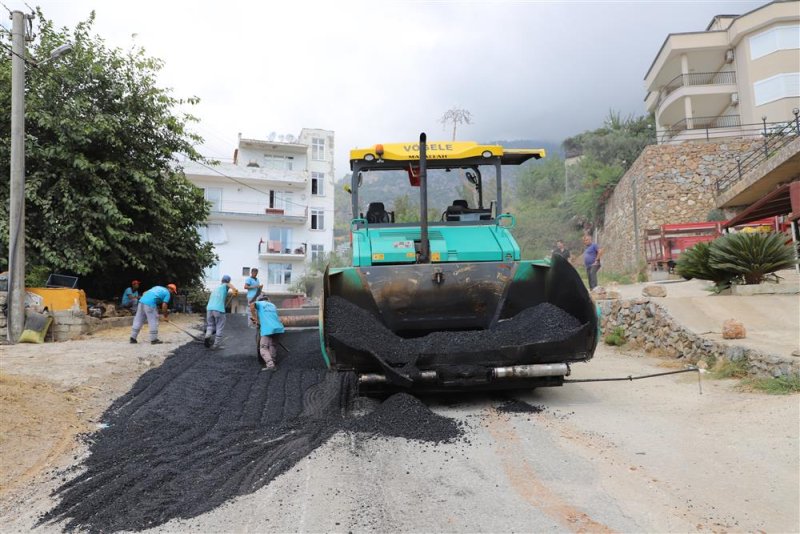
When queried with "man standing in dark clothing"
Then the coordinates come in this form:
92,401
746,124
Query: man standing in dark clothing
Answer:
591,259
561,250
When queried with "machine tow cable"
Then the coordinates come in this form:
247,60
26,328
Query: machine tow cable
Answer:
630,378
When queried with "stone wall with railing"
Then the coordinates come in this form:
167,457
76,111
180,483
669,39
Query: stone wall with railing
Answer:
666,184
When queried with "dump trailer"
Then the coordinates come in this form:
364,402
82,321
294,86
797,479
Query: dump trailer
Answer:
448,304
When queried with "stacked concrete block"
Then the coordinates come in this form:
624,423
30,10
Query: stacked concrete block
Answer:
69,324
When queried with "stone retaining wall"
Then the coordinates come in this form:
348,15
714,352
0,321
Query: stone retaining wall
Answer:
652,327
673,183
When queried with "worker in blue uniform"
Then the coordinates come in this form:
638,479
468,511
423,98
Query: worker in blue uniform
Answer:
265,315
215,312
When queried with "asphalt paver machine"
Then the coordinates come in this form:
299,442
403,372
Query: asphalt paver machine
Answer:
448,304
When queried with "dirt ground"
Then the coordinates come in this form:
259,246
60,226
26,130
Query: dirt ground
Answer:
52,393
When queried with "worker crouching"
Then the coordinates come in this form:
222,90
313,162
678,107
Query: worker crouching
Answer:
265,315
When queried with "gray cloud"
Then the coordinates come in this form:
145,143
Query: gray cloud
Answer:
384,71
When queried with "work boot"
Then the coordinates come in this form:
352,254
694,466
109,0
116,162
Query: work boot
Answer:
156,342
208,341
133,340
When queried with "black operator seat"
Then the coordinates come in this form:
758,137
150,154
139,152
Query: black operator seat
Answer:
377,214
454,211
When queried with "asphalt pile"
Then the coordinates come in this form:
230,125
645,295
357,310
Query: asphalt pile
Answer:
208,426
361,330
518,406
404,416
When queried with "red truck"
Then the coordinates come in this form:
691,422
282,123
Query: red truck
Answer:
664,245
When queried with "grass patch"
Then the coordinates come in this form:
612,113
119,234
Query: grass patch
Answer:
616,337
783,385
729,369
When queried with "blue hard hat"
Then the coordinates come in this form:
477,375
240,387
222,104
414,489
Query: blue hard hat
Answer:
226,279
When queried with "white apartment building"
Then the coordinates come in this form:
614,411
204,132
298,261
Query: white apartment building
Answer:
741,72
271,208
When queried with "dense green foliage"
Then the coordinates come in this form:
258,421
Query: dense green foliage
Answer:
555,199
737,258
102,198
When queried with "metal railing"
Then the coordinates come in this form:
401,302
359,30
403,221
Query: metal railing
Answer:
701,123
775,136
279,247
727,77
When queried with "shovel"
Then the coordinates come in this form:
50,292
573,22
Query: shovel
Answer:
184,331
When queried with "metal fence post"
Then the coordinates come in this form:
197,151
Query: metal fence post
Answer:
766,148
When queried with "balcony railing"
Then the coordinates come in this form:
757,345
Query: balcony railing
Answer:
701,123
697,78
775,136
282,248
239,207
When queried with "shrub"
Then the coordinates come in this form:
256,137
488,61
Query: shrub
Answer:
616,337
695,263
751,255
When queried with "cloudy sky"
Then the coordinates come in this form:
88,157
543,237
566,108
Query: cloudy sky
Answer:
384,71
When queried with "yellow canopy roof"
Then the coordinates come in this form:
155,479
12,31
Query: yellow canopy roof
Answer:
450,151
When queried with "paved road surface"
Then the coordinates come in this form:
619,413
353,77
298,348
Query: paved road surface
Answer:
649,455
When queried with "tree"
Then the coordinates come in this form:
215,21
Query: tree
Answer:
456,116
104,199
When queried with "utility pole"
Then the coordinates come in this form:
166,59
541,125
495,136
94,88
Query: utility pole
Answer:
16,221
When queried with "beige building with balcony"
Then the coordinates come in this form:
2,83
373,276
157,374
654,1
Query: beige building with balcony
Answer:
741,72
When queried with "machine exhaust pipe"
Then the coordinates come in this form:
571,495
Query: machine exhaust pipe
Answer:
425,252
514,371
531,371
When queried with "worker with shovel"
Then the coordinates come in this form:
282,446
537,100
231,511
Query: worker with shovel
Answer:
265,315
148,309
215,312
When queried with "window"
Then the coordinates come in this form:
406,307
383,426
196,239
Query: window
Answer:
278,163
317,252
774,39
784,85
280,240
317,148
317,219
245,271
214,195
280,200
279,273
317,183
213,233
